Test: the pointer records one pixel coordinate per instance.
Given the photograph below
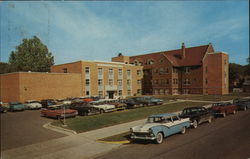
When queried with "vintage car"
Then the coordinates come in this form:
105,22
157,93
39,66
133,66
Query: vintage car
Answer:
242,104
63,101
159,126
48,102
103,108
32,104
197,115
84,108
119,105
148,100
3,108
16,106
223,109
133,103
58,112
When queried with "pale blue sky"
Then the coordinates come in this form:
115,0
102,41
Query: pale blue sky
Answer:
84,30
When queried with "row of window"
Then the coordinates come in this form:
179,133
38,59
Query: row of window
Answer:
175,81
110,71
111,82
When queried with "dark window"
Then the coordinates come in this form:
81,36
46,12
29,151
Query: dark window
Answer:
65,70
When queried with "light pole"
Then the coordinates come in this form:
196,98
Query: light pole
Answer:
64,120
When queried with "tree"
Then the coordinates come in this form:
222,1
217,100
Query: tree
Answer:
4,67
31,55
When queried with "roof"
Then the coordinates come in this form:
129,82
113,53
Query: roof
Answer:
193,55
163,115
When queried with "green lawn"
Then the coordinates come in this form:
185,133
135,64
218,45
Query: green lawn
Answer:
203,97
86,123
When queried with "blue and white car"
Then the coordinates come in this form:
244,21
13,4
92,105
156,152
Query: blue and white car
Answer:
159,126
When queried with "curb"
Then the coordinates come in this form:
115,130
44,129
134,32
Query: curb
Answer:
59,129
115,142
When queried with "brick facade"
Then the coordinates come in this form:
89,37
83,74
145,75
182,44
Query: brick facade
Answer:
195,70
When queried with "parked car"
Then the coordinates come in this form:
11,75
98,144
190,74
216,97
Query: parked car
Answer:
103,108
197,115
117,103
159,126
63,101
16,106
32,104
148,100
3,109
58,112
133,103
223,109
242,104
84,108
48,102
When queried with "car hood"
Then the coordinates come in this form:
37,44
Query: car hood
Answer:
144,127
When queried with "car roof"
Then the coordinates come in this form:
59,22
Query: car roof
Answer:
164,115
194,107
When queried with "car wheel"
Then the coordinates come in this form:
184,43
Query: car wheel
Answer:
234,112
224,115
195,124
101,111
183,130
210,120
159,138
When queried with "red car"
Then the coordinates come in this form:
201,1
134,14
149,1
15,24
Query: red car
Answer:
223,108
58,112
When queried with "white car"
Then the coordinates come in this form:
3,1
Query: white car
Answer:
104,108
32,104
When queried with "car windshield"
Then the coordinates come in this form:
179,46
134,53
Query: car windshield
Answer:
217,104
189,111
158,120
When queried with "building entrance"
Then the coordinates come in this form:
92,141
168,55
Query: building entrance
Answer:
111,94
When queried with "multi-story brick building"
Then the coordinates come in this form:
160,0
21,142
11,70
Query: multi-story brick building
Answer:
194,70
81,78
105,79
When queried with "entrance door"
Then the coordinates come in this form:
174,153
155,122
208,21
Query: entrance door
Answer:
111,95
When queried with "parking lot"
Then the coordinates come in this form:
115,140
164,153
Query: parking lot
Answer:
24,128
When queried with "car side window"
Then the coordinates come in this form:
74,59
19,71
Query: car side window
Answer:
175,118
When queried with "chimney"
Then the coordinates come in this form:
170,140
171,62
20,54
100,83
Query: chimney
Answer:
183,51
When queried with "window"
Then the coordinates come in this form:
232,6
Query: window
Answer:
163,82
87,93
99,71
65,70
187,82
161,71
175,81
119,81
110,71
138,91
128,82
186,69
175,70
225,62
87,82
150,62
120,92
110,81
128,73
206,69
100,82
167,70
138,82
138,72
86,70
129,92
120,72
100,93
161,60
206,81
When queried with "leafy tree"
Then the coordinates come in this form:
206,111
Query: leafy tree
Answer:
31,55
4,67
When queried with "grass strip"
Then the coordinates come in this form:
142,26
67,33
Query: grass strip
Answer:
87,123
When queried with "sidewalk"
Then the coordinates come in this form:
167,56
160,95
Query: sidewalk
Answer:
74,146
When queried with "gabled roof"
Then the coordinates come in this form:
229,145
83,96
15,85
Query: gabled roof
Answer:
193,56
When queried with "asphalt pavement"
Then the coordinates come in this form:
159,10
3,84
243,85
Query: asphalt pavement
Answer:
224,138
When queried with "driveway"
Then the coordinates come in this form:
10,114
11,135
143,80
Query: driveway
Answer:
24,128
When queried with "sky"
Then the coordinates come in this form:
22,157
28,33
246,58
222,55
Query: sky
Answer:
99,30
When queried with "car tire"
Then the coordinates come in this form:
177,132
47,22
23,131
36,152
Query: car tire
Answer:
101,111
183,130
234,112
195,124
210,120
224,115
159,138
